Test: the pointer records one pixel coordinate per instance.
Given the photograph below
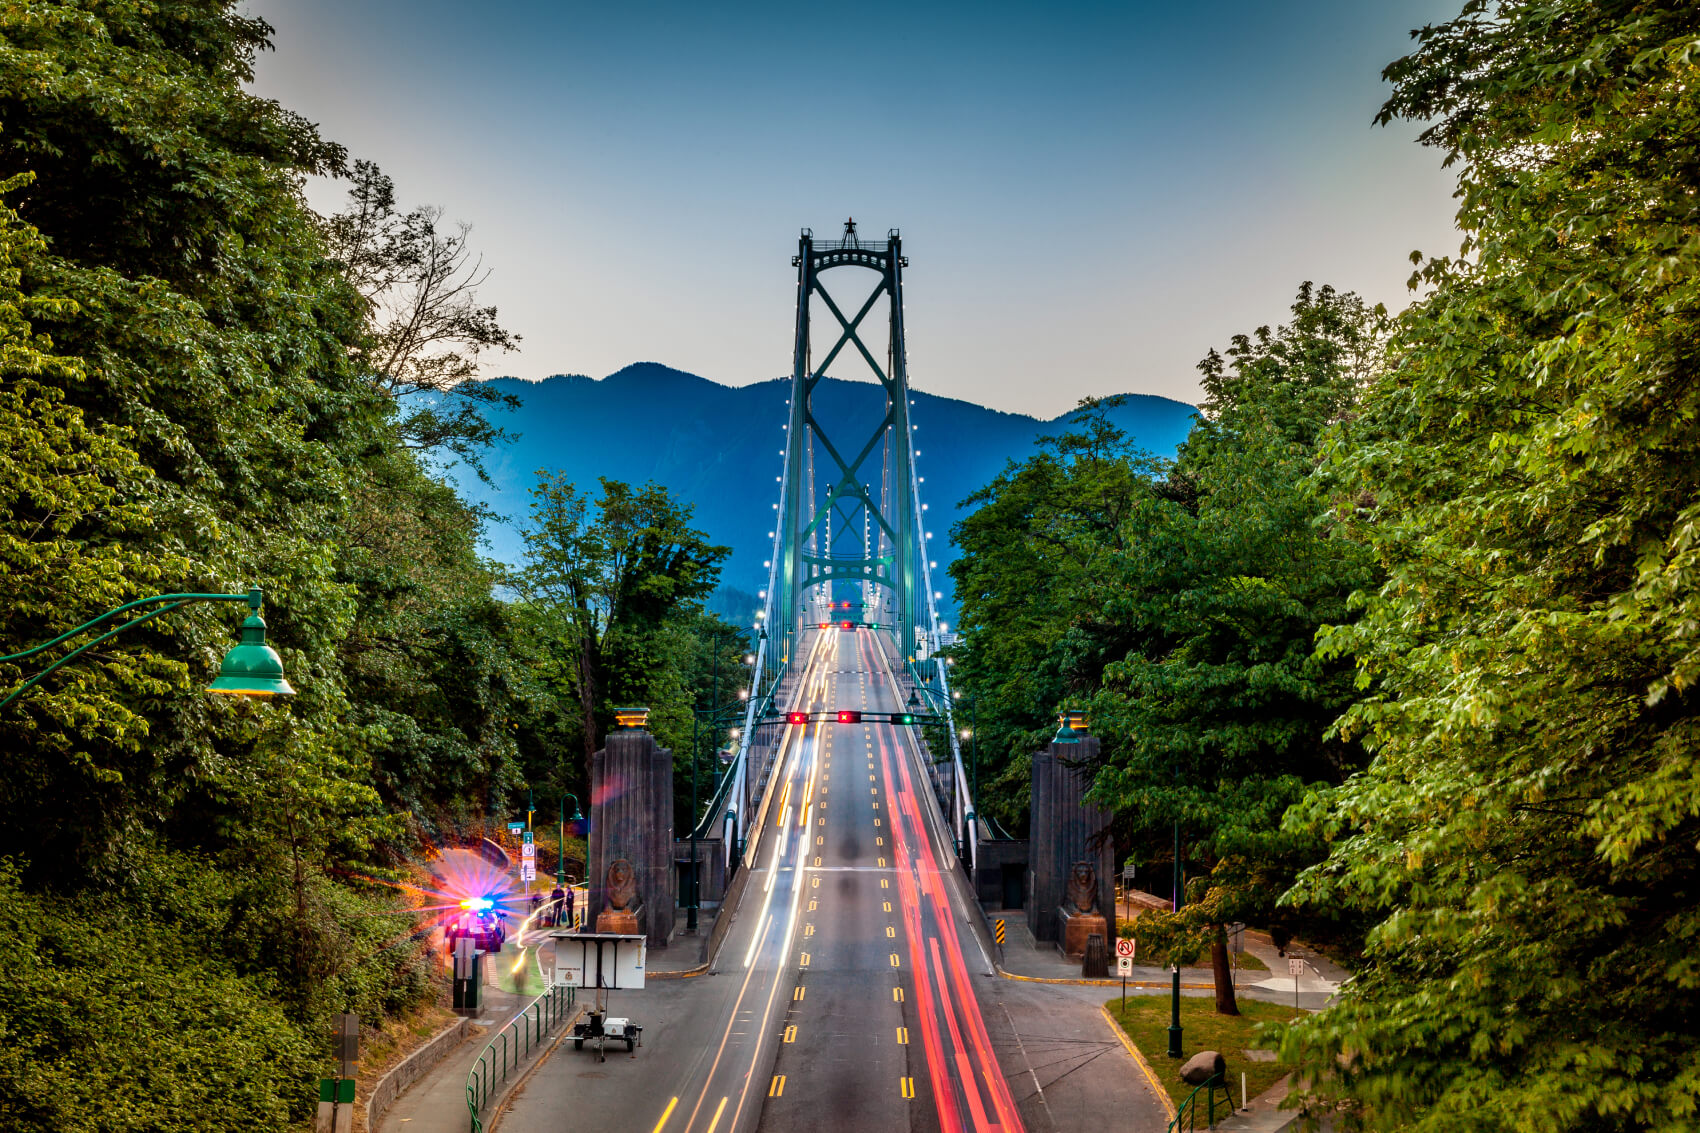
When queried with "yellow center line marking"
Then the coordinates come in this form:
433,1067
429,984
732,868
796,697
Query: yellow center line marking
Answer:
885,883
791,1033
907,1085
895,962
882,863
879,841
718,1110
812,906
887,905
665,1114
903,1036
777,1088
897,994
876,822
808,930
798,991
803,960
891,931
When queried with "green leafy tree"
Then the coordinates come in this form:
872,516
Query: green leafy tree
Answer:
1216,719
1030,585
1525,837
620,580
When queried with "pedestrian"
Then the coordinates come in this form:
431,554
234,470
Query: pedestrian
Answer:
555,899
536,903
571,923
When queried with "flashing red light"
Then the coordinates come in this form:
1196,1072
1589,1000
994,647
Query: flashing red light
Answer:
796,717
848,717
823,625
846,625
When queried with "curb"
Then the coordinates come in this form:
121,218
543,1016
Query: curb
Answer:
501,1108
682,974
1144,1066
1158,984
432,1051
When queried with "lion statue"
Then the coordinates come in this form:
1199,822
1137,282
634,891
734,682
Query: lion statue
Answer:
1081,897
622,887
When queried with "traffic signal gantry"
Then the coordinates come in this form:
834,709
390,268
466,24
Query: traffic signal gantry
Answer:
856,716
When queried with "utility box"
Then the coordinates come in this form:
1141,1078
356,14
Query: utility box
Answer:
468,975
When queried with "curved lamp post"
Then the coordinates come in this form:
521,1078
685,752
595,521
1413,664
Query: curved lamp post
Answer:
251,668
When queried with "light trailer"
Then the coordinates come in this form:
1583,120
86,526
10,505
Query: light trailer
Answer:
606,961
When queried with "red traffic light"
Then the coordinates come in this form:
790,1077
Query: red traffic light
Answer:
846,625
796,717
848,717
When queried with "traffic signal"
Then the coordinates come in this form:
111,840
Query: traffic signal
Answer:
846,625
796,717
903,718
849,717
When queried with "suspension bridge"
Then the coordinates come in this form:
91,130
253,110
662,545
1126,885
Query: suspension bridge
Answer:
848,986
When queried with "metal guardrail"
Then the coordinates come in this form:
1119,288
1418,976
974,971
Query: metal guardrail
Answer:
526,1030
1189,1108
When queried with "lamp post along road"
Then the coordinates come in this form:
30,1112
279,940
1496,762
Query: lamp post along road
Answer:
717,717
251,668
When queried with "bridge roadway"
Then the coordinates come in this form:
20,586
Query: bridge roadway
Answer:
850,991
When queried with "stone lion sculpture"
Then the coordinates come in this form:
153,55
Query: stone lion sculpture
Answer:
1081,897
622,887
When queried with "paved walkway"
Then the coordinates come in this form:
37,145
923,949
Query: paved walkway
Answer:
437,1102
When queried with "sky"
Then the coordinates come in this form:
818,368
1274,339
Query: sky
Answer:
1091,195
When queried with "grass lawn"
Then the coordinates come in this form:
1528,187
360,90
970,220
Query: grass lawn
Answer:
1146,1022
1250,963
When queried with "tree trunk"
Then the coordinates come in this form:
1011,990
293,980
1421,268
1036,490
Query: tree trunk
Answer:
1225,1004
587,706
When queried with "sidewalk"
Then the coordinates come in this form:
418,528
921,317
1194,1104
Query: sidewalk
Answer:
1026,958
437,1102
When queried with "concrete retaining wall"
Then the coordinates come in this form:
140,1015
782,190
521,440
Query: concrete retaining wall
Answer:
412,1068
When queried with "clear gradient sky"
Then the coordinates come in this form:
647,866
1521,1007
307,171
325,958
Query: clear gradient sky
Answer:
1091,194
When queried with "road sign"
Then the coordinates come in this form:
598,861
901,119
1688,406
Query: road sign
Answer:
999,930
1295,966
526,838
528,871
528,852
1236,937
1124,966
1125,948
515,827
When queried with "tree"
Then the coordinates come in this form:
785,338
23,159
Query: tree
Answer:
619,579
1029,587
1525,837
1216,718
427,328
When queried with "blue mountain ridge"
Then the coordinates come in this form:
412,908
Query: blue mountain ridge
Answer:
718,448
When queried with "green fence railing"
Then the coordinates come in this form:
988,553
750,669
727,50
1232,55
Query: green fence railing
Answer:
515,1042
1188,1110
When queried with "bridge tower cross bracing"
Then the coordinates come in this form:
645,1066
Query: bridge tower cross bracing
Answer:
828,499
880,517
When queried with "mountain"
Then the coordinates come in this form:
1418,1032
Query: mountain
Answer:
718,448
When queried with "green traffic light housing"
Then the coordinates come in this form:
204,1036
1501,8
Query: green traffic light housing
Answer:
1072,725
252,668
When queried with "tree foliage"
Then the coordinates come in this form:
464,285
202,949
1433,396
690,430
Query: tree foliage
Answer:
619,584
1525,838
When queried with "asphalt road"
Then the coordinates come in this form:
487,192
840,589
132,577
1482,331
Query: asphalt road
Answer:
852,990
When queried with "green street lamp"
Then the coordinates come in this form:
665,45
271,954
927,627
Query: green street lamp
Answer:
252,668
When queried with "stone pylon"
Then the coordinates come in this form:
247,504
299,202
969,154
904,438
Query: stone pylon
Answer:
631,817
1063,831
